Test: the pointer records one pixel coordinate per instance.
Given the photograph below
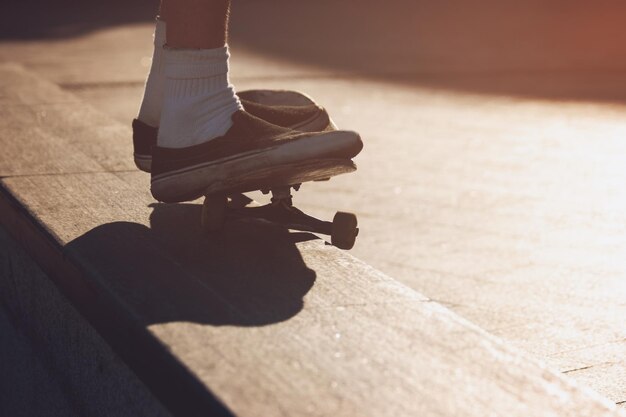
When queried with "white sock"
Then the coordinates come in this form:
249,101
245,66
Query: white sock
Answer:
150,110
199,100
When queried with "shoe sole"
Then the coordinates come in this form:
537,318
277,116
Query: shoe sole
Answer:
195,181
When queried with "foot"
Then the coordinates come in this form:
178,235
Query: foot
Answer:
250,148
287,109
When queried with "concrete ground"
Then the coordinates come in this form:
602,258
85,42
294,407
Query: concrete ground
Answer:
492,177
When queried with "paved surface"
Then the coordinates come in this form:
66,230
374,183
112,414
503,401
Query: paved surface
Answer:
228,325
53,362
509,208
26,389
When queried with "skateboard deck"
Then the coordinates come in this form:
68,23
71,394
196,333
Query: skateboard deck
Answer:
283,175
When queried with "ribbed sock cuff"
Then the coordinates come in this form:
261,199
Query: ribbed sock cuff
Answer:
177,89
195,63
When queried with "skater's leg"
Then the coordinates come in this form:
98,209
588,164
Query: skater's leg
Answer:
287,109
198,99
196,24
163,9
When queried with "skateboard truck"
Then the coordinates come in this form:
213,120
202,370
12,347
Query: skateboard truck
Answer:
217,208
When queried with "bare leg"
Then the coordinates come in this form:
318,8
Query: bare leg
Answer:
196,24
198,99
163,10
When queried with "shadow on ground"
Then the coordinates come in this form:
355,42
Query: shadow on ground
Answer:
558,49
172,272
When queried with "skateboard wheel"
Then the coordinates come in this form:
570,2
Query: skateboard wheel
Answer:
344,230
213,213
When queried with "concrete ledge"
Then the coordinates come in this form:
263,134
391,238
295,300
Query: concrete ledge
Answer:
257,320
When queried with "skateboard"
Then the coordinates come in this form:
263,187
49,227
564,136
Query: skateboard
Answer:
225,201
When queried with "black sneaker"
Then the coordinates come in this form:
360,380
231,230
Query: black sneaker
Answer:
251,148
273,106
